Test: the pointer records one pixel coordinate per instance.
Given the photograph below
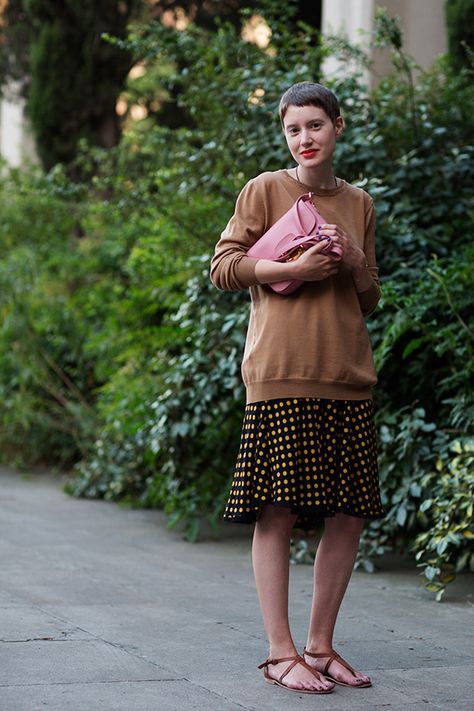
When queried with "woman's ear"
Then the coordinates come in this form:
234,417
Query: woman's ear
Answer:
339,126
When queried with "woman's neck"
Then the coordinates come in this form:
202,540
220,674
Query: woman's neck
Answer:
316,180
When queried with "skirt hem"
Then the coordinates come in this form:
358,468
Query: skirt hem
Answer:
315,516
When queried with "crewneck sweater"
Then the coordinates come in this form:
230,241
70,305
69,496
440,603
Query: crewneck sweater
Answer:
313,342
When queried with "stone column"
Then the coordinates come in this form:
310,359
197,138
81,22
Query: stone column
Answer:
422,23
16,142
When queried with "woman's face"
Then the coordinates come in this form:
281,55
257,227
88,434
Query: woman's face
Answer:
311,135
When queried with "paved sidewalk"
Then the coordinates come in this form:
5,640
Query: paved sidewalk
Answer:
102,608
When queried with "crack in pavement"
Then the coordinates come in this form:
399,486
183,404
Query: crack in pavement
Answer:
43,639
97,681
220,696
97,637
230,626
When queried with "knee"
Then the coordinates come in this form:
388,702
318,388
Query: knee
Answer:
350,526
276,518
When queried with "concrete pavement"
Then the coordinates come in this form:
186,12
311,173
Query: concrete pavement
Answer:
103,609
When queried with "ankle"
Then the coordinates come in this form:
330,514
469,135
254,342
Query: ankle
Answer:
319,644
279,650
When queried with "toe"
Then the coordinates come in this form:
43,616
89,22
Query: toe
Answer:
362,679
321,684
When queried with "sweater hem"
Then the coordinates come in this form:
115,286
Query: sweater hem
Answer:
272,389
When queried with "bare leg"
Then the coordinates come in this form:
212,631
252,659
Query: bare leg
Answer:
332,571
270,558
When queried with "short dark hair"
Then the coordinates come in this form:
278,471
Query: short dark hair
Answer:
306,93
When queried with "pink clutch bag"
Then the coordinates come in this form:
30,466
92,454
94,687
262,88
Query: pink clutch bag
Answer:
295,232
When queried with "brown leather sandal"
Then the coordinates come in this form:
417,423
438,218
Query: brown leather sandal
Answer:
335,656
298,659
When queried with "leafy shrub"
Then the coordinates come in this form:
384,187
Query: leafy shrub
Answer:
444,547
431,338
181,446
44,375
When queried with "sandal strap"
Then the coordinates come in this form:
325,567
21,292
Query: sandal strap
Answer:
298,659
276,661
332,656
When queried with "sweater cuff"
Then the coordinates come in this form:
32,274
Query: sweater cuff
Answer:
369,298
245,272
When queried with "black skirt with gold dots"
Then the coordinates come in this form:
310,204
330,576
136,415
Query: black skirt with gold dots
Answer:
315,456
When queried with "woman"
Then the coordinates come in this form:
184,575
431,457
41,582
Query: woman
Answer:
308,449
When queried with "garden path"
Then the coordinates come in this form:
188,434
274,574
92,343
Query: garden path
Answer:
104,609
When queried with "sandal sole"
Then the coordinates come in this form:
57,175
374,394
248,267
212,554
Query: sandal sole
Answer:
351,686
299,691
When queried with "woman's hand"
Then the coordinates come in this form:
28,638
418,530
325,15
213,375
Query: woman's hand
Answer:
314,265
353,256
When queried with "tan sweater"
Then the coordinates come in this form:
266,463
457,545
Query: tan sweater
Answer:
314,342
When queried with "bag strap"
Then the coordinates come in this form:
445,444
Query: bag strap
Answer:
306,200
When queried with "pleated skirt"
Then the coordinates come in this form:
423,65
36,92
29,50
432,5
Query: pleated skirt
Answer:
314,456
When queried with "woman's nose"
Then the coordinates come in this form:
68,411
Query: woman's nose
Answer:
305,138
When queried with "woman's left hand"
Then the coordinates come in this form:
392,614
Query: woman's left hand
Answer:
353,255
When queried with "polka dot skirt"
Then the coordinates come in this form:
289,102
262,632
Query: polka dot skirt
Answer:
314,456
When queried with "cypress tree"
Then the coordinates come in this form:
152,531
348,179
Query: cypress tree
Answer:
76,76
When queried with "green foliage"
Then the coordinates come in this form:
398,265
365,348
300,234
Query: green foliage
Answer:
118,356
460,25
179,442
43,375
444,547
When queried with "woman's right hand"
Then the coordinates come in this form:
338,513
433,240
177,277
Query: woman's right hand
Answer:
314,265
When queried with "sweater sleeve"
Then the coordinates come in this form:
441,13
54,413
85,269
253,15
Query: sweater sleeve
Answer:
231,269
369,298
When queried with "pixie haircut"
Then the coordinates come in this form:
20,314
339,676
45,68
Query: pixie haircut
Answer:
305,93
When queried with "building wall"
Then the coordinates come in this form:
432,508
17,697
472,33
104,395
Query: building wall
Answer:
16,142
348,15
422,24
424,31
